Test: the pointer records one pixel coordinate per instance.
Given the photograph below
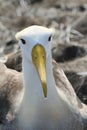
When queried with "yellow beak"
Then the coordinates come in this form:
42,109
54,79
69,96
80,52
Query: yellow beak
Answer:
39,60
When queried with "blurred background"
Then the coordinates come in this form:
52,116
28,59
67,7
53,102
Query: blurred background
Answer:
69,48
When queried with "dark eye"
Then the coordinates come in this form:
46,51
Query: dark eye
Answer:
49,39
23,41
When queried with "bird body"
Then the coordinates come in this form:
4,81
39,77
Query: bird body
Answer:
53,113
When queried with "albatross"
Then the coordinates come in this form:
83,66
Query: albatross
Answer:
49,101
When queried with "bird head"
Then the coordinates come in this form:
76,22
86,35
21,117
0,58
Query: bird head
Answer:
35,44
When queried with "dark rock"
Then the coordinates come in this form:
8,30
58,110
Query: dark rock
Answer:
11,42
82,8
82,93
69,53
35,1
10,46
79,84
71,7
57,6
75,79
14,61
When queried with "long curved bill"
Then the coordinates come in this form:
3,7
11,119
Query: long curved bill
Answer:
39,61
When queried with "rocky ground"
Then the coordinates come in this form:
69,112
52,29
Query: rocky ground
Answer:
67,18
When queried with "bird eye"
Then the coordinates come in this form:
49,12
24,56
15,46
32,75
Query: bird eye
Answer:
23,41
49,39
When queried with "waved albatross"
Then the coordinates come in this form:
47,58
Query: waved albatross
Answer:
49,102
